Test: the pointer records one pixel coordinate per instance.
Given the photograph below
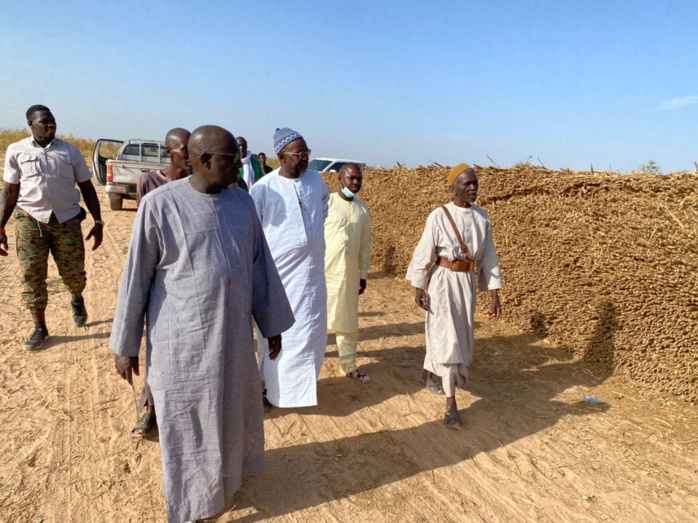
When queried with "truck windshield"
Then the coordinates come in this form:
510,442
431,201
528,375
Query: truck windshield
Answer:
318,165
145,152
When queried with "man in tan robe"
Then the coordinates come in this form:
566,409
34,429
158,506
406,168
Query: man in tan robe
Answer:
347,250
457,242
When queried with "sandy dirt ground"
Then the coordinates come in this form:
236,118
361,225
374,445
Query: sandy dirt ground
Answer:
531,448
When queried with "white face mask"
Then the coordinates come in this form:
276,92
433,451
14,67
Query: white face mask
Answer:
346,192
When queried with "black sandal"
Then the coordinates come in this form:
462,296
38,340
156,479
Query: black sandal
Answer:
452,419
144,426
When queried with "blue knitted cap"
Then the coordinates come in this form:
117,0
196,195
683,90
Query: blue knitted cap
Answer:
283,137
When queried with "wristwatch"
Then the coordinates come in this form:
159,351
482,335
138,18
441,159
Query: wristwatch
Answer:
99,222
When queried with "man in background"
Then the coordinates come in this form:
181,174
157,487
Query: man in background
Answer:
41,172
251,170
263,161
176,148
348,247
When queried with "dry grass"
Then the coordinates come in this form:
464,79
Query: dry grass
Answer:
273,162
9,136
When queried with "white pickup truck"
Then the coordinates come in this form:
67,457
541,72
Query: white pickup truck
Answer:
118,165
331,165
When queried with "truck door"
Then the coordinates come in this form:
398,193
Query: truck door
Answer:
105,149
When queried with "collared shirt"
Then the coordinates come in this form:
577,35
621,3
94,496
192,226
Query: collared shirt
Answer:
46,178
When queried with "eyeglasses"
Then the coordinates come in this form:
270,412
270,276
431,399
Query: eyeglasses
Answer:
305,155
234,156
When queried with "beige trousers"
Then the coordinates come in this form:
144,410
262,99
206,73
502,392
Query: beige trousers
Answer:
346,346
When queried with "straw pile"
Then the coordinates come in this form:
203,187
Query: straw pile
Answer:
602,264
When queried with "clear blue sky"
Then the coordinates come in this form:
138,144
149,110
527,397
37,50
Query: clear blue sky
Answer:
613,83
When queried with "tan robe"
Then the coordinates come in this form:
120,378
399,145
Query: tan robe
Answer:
347,250
449,323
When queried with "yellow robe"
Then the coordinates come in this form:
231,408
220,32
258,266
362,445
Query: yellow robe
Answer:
348,246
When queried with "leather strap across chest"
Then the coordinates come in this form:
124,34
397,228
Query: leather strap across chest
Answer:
463,247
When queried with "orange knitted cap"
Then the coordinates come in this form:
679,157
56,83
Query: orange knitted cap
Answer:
454,173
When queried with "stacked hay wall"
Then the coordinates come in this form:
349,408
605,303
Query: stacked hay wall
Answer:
602,264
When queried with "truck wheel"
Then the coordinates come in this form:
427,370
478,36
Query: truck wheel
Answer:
116,202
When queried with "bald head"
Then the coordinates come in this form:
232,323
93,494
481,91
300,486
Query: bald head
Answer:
176,136
176,143
211,138
215,158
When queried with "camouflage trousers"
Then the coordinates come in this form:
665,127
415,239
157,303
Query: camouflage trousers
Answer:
34,242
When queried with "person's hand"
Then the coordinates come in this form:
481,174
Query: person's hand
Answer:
362,286
496,308
3,244
421,298
274,346
96,232
126,366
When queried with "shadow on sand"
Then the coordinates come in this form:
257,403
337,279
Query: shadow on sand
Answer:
55,342
377,332
355,464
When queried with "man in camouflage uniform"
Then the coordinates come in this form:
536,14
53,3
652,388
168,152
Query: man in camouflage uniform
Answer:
39,180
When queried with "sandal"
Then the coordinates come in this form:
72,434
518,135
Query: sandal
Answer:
432,387
144,426
452,419
363,378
